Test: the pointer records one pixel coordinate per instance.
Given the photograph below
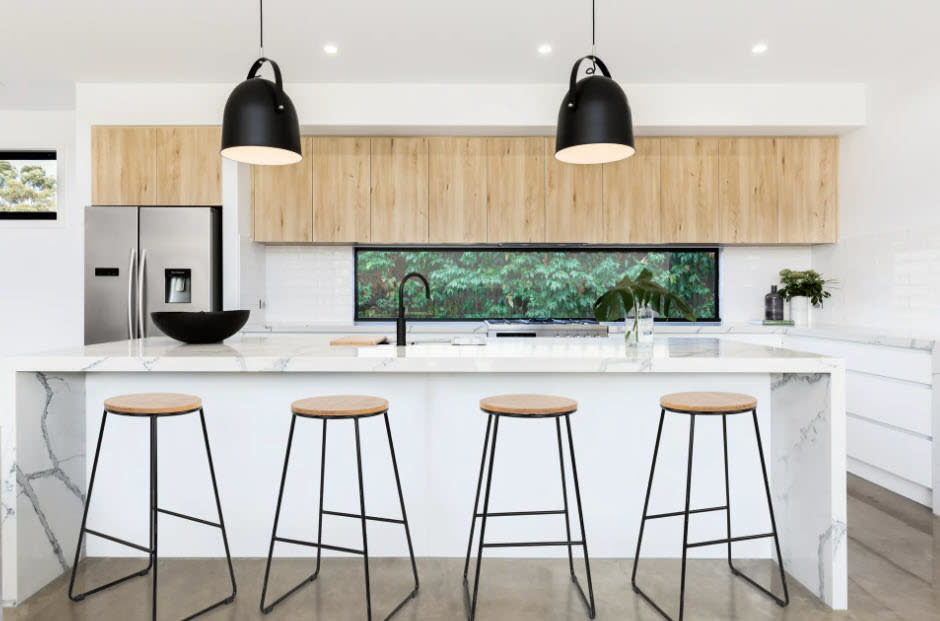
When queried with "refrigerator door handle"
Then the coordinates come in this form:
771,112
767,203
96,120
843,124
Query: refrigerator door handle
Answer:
141,325
131,333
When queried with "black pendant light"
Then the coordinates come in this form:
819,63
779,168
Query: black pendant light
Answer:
259,125
594,123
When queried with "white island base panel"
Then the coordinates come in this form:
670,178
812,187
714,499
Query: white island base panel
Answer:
51,424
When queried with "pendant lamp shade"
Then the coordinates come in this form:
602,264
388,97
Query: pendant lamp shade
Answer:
594,123
259,125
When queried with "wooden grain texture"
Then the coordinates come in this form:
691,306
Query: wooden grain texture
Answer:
689,189
528,404
747,191
153,403
341,178
399,190
123,165
339,406
632,206
708,401
807,189
359,340
515,186
456,190
189,167
574,200
282,200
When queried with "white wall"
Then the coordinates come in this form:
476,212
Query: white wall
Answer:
41,262
888,260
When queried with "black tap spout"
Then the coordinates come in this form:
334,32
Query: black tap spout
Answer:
400,323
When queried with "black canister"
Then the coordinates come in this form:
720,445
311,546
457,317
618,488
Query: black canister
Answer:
773,305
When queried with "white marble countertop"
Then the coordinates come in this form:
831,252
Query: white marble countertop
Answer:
312,353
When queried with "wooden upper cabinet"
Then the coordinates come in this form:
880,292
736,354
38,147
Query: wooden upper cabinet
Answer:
123,165
515,188
457,190
574,205
341,174
747,194
689,189
632,213
189,167
807,189
282,199
399,190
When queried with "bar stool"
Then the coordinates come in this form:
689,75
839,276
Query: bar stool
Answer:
340,407
709,404
154,406
526,406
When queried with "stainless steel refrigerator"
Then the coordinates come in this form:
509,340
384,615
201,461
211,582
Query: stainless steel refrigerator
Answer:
144,259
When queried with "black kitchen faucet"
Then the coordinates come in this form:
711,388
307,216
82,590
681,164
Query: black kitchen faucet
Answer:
400,323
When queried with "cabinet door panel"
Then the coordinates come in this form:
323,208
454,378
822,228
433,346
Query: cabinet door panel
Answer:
807,189
690,190
341,173
282,199
457,190
574,206
399,190
632,211
123,166
189,167
515,205
747,194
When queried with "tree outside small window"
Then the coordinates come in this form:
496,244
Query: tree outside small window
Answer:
28,185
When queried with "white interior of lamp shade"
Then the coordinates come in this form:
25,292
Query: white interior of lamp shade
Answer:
265,156
594,153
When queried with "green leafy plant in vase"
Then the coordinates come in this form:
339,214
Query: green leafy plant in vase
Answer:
638,295
801,289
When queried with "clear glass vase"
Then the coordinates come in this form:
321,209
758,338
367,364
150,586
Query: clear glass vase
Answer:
639,327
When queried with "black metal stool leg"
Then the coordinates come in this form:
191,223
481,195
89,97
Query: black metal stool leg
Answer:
153,508
320,509
577,494
773,525
646,503
404,517
486,508
476,499
685,527
564,495
277,515
724,439
81,532
362,509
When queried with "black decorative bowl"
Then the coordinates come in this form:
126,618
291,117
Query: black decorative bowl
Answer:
200,327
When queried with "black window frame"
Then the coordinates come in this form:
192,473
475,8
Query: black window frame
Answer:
531,248
43,154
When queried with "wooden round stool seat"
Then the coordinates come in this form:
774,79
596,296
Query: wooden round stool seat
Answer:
528,405
708,402
153,403
339,406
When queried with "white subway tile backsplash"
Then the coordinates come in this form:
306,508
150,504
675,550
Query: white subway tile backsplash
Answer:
309,285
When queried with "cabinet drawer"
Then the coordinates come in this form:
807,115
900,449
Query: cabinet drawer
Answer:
901,404
908,364
897,452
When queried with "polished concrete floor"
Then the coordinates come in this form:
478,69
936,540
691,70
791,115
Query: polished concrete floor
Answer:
894,565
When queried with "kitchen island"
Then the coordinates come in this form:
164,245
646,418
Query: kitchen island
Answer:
50,411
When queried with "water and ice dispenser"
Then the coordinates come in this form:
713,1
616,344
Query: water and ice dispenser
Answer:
178,286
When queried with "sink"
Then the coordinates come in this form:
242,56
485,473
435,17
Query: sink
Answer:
463,339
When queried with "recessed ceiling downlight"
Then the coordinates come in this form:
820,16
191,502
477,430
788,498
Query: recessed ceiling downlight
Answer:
545,48
331,49
759,48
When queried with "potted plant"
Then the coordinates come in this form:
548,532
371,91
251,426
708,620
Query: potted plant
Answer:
802,289
639,297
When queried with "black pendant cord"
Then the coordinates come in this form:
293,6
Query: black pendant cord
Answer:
590,70
261,28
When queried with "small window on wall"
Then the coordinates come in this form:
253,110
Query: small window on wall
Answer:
28,185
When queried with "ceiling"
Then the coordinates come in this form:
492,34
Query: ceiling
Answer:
480,41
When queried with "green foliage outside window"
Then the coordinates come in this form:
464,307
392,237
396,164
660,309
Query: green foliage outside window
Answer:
524,283
26,187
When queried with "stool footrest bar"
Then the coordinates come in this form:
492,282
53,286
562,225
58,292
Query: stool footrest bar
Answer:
712,542
188,517
532,544
518,513
314,544
120,541
656,516
374,518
